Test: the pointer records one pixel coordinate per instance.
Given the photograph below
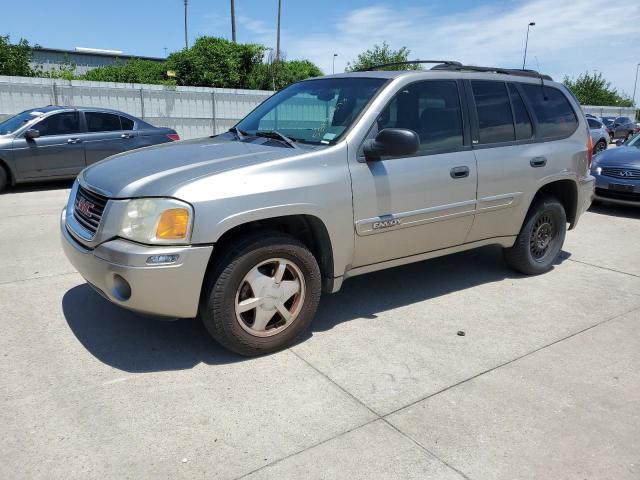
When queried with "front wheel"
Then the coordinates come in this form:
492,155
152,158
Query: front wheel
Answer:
599,147
4,178
262,294
540,239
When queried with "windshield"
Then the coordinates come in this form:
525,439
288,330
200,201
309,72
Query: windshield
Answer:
634,142
313,111
12,124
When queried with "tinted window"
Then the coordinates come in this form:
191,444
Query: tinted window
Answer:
102,122
127,123
593,123
65,123
524,130
495,120
623,120
555,116
432,110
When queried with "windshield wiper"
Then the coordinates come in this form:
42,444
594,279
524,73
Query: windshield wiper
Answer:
240,134
277,136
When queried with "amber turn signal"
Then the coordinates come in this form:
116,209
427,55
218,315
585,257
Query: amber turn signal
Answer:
173,224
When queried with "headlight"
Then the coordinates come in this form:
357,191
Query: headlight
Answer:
157,221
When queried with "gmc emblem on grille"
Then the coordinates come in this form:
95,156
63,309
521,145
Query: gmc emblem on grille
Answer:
85,207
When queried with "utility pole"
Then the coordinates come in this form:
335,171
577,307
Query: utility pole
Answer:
635,84
233,21
186,41
526,43
278,34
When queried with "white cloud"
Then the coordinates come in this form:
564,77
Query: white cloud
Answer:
568,39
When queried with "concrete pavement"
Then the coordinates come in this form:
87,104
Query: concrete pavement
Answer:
544,384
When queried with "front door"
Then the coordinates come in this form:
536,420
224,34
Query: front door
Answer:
410,205
57,152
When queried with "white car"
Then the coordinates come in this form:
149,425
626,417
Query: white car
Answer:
599,135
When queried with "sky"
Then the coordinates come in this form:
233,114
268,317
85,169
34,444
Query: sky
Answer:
570,37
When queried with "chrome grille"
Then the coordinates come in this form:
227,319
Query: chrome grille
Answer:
628,173
88,208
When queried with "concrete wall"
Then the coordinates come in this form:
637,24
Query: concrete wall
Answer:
191,111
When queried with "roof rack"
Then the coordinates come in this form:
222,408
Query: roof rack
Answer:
410,62
459,67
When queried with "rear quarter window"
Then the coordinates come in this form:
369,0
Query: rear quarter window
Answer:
556,118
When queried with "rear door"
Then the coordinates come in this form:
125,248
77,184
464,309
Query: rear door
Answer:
409,205
521,136
107,134
58,152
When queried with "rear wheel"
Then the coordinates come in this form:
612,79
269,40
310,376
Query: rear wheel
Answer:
262,294
628,136
600,146
4,179
541,238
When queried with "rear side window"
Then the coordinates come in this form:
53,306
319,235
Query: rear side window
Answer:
495,120
102,122
555,116
127,123
593,123
524,129
65,123
431,109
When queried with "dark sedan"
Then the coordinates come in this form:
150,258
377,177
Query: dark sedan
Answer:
617,173
57,142
622,127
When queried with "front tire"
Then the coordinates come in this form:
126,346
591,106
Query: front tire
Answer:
540,239
262,294
599,147
4,179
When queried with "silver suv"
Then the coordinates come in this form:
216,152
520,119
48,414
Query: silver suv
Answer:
328,179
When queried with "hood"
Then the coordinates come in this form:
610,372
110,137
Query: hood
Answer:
621,156
161,169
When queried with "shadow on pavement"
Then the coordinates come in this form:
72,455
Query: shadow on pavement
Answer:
40,186
135,343
614,210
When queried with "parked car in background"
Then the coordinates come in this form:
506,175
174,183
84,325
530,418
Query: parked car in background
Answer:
617,173
370,170
599,135
55,142
608,121
622,127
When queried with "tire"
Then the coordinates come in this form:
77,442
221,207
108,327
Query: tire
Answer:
628,137
545,224
4,179
611,137
600,146
253,264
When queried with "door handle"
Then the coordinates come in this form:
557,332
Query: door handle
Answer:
459,172
537,162
73,140
126,135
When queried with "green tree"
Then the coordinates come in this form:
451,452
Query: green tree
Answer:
134,70
381,54
594,89
15,58
216,62
277,75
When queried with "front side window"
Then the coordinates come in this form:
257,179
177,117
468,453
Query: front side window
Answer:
431,109
593,123
495,120
313,111
102,122
127,123
555,116
65,123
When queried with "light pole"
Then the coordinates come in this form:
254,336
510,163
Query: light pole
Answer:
635,84
186,42
333,68
278,35
233,21
526,43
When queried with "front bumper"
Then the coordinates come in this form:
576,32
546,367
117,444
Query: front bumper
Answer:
604,193
118,270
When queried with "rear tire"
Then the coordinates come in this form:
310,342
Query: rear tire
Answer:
4,179
244,289
600,146
540,239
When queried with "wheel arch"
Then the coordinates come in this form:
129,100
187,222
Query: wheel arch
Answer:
11,176
566,191
308,229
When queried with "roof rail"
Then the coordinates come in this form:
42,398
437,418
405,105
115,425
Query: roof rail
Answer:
410,62
506,71
459,67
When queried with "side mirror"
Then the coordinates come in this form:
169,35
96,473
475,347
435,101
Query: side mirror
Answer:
392,142
31,134
619,142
